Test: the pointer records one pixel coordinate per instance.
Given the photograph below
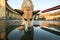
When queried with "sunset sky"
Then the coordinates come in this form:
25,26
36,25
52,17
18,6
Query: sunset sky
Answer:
38,4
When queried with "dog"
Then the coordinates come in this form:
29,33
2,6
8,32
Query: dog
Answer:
27,13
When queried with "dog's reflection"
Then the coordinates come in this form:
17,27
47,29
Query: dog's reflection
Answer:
28,35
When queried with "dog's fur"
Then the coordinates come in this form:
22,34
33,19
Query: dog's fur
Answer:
27,13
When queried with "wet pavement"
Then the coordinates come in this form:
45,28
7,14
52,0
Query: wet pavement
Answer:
42,30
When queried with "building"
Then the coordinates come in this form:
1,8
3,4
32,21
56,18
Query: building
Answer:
2,8
6,12
51,9
10,13
51,13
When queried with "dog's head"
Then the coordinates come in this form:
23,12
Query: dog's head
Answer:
28,17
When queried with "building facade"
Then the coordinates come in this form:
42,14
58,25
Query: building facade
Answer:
6,12
51,13
2,8
10,13
51,9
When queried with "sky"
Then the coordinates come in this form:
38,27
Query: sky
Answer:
38,4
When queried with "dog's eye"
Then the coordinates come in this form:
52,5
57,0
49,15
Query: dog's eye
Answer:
30,19
25,19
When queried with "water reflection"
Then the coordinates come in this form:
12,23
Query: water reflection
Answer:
2,29
54,25
28,35
20,34
36,33
52,31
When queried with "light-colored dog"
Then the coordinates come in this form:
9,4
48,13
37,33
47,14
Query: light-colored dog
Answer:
27,13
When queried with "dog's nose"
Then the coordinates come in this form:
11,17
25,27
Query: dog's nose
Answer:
29,27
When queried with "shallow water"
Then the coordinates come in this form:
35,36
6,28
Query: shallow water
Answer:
47,30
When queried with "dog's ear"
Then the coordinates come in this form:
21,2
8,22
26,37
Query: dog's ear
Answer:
35,12
19,11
